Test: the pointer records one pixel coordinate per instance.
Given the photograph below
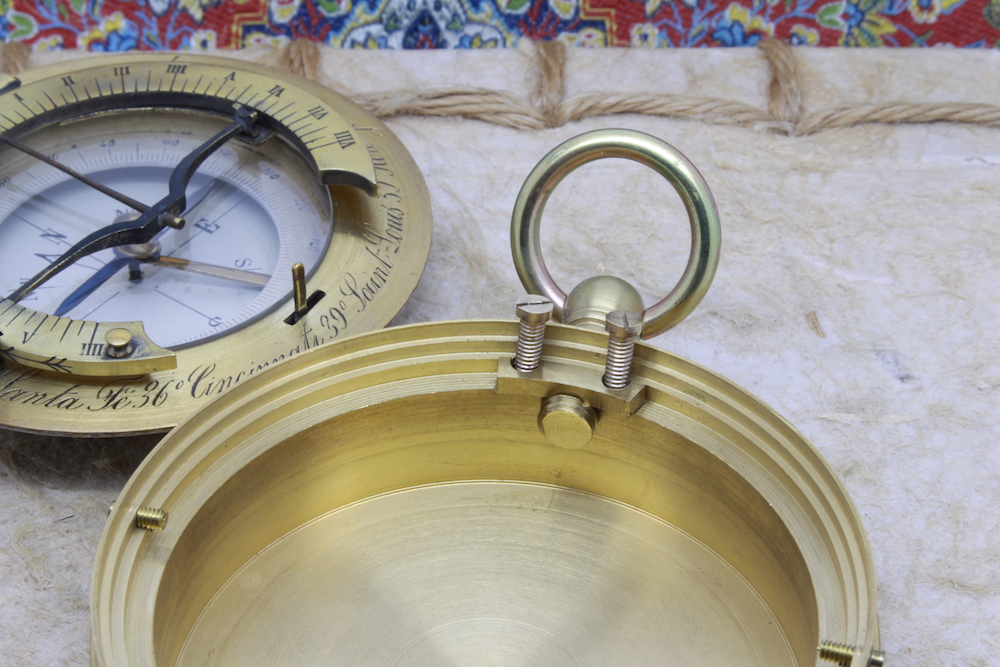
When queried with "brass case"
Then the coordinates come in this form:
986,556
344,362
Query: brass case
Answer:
391,500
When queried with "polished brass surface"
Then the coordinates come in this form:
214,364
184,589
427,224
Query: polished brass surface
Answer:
36,372
649,151
545,381
58,374
391,500
589,303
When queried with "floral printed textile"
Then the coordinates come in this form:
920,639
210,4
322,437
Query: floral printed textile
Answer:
120,25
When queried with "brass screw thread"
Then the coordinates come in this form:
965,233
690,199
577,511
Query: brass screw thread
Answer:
533,311
150,518
624,329
842,654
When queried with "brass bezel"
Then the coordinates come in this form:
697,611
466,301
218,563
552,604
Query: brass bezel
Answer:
380,244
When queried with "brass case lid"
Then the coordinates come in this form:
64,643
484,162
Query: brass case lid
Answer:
392,499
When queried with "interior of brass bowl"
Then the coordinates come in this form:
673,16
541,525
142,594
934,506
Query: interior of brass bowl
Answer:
392,501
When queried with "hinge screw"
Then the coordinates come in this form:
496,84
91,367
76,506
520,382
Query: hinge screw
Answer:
533,311
150,518
624,329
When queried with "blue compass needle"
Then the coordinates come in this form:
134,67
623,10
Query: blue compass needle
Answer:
92,283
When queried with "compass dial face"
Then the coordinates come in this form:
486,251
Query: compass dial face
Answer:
154,209
253,210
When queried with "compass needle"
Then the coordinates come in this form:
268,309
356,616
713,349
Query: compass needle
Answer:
235,275
233,173
149,253
152,220
91,284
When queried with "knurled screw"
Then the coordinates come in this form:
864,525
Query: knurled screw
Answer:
150,518
624,329
842,654
533,311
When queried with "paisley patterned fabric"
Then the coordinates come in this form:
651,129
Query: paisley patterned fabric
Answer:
119,25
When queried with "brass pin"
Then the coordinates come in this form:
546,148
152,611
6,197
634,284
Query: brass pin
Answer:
119,343
299,289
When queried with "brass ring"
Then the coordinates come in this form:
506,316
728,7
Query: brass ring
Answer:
653,153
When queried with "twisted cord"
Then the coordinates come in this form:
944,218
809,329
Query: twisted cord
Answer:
549,107
14,57
550,82
300,56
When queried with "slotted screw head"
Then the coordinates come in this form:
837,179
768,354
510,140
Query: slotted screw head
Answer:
624,325
534,309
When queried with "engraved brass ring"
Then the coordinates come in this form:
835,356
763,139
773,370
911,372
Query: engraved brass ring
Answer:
646,150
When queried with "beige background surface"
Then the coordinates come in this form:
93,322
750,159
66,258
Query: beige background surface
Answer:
857,294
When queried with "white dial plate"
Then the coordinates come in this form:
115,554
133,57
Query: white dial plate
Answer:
256,210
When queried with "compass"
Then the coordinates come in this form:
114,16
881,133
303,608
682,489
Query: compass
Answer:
172,225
